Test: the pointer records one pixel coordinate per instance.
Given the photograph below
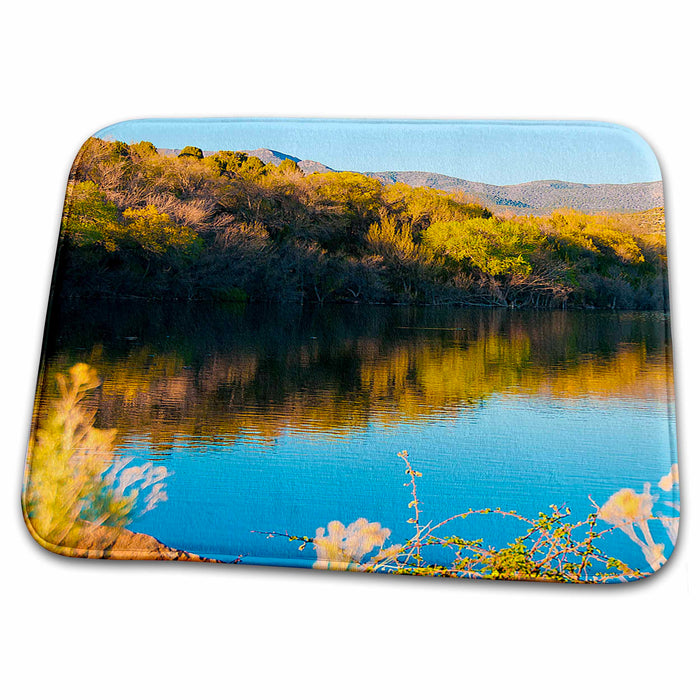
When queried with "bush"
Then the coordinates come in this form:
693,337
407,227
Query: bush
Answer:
550,549
74,477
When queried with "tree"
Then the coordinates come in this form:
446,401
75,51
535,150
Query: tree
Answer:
288,166
357,194
251,168
191,151
91,220
227,162
401,243
143,149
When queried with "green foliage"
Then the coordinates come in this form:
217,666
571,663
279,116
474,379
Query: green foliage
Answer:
119,149
142,150
392,240
496,248
232,159
154,232
419,207
191,152
92,220
251,168
578,235
350,192
336,236
227,162
288,166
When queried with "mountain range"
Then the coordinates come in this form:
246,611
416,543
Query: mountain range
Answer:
538,197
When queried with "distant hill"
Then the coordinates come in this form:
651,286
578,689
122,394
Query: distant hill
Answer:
538,197
311,166
541,196
267,155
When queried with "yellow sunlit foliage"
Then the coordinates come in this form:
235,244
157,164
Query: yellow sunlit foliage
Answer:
493,247
351,191
72,475
392,240
92,220
596,234
89,218
336,236
155,232
419,207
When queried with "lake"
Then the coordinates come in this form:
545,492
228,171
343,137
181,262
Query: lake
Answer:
284,418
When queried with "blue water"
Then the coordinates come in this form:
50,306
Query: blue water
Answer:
515,453
281,420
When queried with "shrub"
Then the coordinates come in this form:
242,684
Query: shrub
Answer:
73,475
154,232
89,219
551,547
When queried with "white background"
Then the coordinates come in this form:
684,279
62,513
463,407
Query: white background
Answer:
105,629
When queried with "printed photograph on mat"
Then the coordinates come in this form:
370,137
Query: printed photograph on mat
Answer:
433,348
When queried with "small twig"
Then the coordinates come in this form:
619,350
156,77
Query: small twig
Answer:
414,503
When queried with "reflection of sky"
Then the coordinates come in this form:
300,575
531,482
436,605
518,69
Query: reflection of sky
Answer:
513,453
497,153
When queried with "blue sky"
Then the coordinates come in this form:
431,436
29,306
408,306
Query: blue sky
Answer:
498,153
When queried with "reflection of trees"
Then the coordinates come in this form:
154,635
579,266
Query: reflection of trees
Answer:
213,371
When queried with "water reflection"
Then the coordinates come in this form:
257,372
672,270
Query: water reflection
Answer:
231,372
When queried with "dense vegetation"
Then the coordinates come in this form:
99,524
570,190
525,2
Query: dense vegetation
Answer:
226,226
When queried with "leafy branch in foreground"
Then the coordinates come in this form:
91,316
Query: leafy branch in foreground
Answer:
74,477
551,548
